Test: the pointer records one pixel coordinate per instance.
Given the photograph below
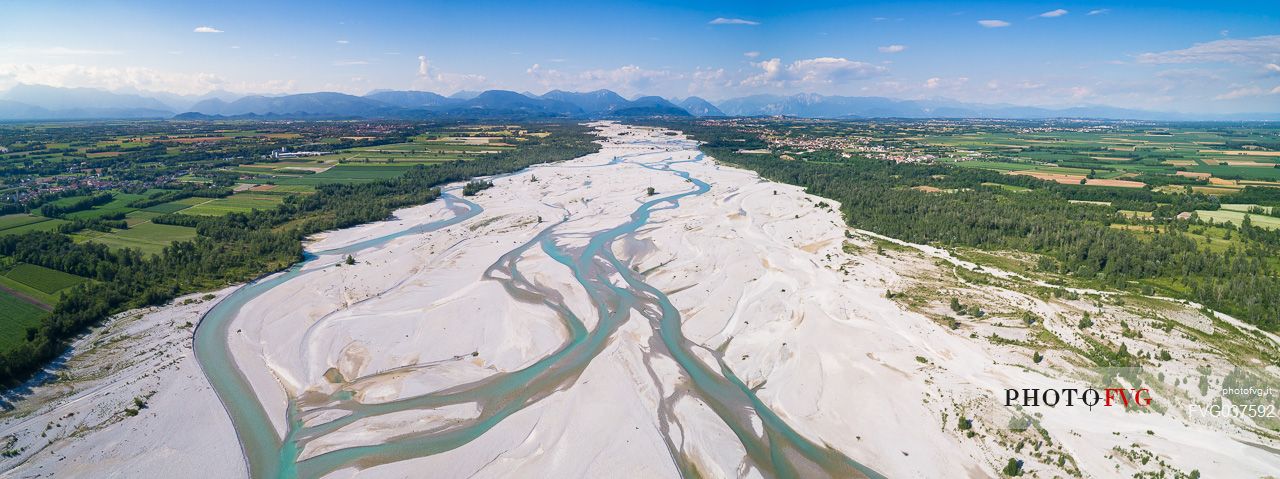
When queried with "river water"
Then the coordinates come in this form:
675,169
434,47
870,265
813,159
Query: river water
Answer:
617,293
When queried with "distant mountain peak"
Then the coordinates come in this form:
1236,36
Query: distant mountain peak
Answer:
699,107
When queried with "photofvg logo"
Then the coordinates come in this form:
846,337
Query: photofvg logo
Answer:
1072,397
1124,387
1229,397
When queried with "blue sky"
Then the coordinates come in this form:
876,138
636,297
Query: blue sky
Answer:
1176,56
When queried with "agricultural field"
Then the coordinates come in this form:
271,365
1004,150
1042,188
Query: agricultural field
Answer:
176,205
361,164
44,280
237,203
435,148
1237,217
18,220
43,224
16,316
1156,162
118,205
150,238
1116,152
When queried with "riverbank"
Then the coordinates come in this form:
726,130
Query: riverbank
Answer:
130,401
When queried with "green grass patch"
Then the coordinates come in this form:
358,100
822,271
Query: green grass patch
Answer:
137,217
177,205
48,225
237,203
21,287
48,281
151,238
1237,217
347,174
16,315
19,219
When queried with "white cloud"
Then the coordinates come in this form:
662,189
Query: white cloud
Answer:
1053,13
347,63
1245,92
1100,11
936,83
751,54
993,23
1271,67
442,82
1078,92
710,81
1256,50
129,78
58,51
424,67
343,42
812,72
732,21
205,29
892,48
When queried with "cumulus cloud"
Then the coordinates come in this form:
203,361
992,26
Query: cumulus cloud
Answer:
892,48
993,23
939,83
1100,11
206,29
1247,91
131,78
430,79
1053,13
626,80
710,80
811,72
59,51
732,21
1256,50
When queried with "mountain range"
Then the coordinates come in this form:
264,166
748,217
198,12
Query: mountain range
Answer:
36,102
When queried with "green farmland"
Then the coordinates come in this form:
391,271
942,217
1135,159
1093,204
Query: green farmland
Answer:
16,316
237,203
45,280
151,238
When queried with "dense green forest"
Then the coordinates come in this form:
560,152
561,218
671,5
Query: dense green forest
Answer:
1155,255
238,246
